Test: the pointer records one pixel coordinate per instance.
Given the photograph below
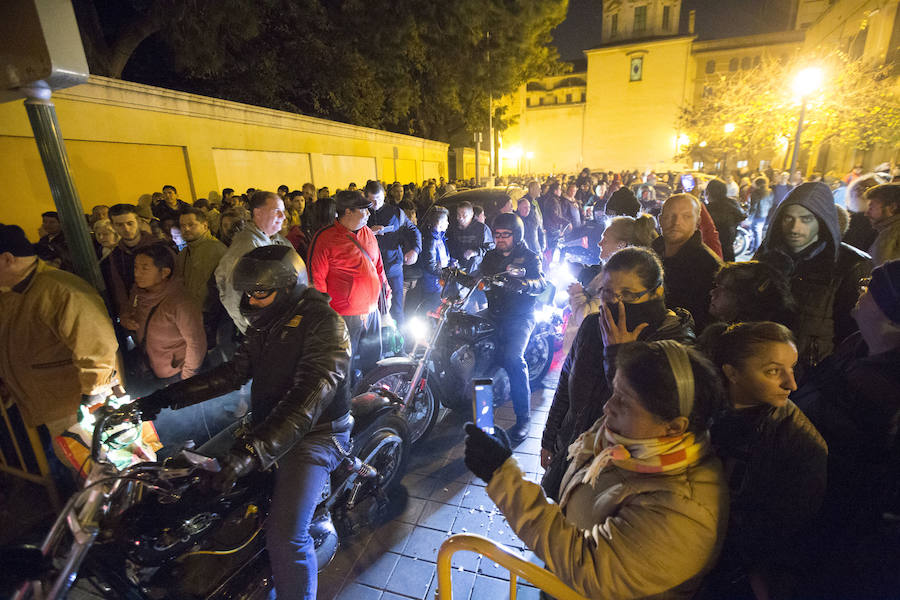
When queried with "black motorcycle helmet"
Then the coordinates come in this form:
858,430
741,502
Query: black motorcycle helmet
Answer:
269,269
510,222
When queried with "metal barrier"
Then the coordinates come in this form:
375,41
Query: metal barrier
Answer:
22,453
505,557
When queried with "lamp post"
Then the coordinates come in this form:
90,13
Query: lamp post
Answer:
807,82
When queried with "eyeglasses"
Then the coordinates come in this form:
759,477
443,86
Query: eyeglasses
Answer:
260,294
503,235
627,296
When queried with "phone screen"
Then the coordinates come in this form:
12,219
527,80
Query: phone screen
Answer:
687,182
483,404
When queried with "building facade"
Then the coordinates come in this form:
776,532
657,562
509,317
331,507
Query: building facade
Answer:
618,108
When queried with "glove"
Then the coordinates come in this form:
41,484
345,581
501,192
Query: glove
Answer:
152,404
484,452
241,461
514,284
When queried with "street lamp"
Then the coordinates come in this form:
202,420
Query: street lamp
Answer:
806,83
729,127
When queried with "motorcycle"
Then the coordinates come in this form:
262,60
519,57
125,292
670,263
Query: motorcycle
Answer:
453,347
156,530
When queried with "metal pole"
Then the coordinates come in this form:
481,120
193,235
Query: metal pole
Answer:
47,135
477,159
795,157
492,164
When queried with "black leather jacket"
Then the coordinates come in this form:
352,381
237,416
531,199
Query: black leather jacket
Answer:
298,366
508,301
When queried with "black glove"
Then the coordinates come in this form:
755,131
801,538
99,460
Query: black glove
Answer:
513,284
484,452
152,404
239,462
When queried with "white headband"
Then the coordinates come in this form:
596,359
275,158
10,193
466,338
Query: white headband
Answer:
680,363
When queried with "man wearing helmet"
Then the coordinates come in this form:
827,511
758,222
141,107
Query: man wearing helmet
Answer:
511,307
297,353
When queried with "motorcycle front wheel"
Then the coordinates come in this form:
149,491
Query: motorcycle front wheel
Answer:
422,412
539,354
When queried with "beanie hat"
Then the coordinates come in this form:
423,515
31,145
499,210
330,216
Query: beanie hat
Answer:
885,289
623,202
13,240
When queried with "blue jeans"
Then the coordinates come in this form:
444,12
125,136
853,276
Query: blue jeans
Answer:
299,480
512,337
198,423
396,283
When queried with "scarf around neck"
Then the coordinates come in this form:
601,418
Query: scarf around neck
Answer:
601,446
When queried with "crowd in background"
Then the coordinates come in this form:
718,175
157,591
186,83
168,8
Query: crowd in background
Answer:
808,318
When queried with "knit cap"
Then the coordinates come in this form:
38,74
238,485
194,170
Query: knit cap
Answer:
13,240
885,289
623,202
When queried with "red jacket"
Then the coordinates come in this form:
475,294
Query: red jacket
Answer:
338,267
708,231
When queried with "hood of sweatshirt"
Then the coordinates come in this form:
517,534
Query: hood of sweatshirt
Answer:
817,199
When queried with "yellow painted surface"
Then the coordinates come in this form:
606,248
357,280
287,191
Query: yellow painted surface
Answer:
104,173
242,169
126,139
631,124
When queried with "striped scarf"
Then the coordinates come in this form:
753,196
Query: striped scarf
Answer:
601,446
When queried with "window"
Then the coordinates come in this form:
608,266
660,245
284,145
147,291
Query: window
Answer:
707,91
568,98
733,64
583,96
763,165
640,19
745,63
710,66
667,17
741,164
614,25
541,101
698,164
527,101
756,60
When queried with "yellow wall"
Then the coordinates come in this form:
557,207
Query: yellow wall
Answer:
631,124
125,139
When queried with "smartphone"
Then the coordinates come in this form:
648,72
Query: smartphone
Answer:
483,404
687,182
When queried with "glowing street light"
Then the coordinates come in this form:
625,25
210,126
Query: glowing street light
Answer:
729,127
806,83
703,144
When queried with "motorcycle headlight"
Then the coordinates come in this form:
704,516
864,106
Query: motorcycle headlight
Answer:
418,328
546,313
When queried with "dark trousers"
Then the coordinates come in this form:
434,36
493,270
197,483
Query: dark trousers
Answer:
365,342
513,335
299,480
396,283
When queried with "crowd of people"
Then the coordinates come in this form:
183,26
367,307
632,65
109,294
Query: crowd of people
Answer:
714,424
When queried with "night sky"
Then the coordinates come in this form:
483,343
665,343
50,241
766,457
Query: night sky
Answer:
715,19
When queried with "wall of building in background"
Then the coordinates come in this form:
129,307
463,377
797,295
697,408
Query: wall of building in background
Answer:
126,139
630,116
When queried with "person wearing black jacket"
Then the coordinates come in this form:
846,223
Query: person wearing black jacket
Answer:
469,239
633,292
804,242
725,213
297,353
398,240
690,265
511,307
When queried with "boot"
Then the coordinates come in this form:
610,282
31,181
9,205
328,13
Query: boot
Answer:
518,432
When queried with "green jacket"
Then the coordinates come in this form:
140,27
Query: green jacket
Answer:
195,266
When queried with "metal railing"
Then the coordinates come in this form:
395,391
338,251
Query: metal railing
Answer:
22,453
506,558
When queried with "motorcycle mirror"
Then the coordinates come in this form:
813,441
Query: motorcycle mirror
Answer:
515,271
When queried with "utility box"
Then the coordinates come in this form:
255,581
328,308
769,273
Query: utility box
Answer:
39,42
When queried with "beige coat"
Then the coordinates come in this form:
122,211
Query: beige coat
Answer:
631,535
56,343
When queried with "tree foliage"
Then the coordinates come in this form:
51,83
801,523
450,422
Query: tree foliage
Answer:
412,66
857,106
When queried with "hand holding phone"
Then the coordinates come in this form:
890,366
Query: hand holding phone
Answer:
483,404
